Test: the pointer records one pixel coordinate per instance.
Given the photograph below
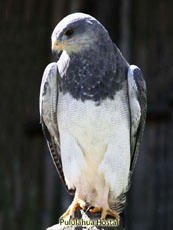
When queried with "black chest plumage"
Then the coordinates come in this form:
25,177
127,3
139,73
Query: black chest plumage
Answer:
90,76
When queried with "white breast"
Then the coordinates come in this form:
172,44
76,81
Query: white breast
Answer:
92,125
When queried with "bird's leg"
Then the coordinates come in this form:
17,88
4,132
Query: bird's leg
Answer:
77,202
104,206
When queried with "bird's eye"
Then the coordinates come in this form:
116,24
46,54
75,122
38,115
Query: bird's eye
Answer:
69,32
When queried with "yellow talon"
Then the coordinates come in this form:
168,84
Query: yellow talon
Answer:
72,208
105,212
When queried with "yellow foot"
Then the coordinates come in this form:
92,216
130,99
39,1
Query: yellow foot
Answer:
110,212
70,213
105,212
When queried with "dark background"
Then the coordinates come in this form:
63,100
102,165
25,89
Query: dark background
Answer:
31,195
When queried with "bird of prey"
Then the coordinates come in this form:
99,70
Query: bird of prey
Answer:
92,110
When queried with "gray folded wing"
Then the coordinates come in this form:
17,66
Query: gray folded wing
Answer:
138,108
48,115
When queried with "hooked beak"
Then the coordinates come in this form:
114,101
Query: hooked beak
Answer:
58,48
55,49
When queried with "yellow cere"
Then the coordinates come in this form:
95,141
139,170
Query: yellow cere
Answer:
57,46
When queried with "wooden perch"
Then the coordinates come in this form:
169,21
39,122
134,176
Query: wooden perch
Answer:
87,217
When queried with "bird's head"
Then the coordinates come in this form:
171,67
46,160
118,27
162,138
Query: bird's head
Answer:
76,32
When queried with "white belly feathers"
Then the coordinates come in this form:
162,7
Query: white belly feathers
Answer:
92,127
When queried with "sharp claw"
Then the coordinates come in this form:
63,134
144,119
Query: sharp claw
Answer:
89,208
65,214
110,212
104,212
95,209
82,204
103,215
70,213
